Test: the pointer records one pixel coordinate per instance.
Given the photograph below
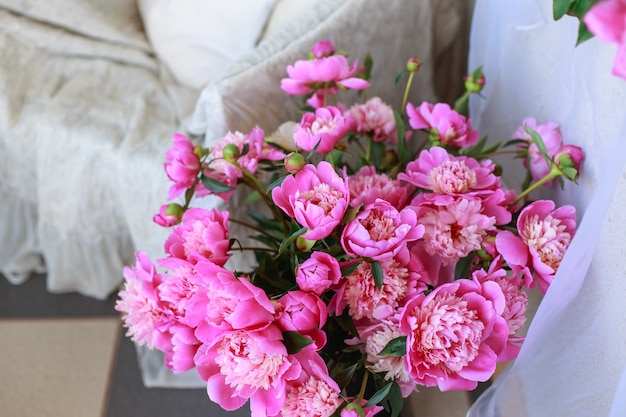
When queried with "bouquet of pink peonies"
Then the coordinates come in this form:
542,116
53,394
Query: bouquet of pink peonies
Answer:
390,255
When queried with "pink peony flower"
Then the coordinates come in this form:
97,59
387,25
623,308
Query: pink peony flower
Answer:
366,186
226,303
331,70
375,338
515,306
169,215
552,139
544,235
380,231
318,273
326,126
448,126
242,365
570,157
607,20
182,165
202,236
180,358
302,312
455,334
374,117
316,197
323,49
142,312
454,230
437,170
359,293
314,393
431,269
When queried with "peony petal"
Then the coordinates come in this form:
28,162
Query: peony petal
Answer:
512,248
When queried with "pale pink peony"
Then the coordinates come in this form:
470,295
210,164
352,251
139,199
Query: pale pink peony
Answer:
376,118
375,338
380,231
552,138
442,173
366,186
142,312
302,312
317,197
202,236
607,20
359,293
454,230
455,334
448,126
318,273
226,302
314,393
545,233
325,127
331,70
182,165
241,365
515,307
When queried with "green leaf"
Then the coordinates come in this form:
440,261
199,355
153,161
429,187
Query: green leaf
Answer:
377,273
350,268
395,400
344,376
379,395
295,342
253,197
396,347
561,7
346,323
580,7
514,142
583,33
289,240
377,153
537,139
214,185
570,173
463,266
368,64
276,183
264,222
400,76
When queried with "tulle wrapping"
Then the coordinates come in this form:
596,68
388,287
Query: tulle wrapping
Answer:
573,359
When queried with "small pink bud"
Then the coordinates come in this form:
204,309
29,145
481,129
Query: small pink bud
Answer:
569,159
413,65
169,215
323,49
304,244
294,162
475,82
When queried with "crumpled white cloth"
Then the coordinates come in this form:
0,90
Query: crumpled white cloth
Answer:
573,362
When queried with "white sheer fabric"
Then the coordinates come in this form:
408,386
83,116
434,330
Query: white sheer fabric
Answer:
573,362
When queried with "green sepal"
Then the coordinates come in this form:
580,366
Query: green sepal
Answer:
295,342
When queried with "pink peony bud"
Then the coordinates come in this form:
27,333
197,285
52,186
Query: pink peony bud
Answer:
475,82
323,49
413,65
294,162
569,159
169,215
318,273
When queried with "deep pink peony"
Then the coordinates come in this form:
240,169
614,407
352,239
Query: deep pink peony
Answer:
318,273
226,302
448,126
142,312
241,365
545,233
302,312
376,118
515,307
455,229
442,173
380,231
317,197
366,186
455,334
607,20
202,236
326,126
182,165
552,138
331,70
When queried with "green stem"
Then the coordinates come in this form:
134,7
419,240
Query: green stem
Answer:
255,248
406,92
250,226
554,172
363,386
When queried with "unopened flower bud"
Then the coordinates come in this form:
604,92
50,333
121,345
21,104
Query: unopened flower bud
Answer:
294,162
569,159
199,151
304,244
323,49
475,82
231,152
413,65
169,215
